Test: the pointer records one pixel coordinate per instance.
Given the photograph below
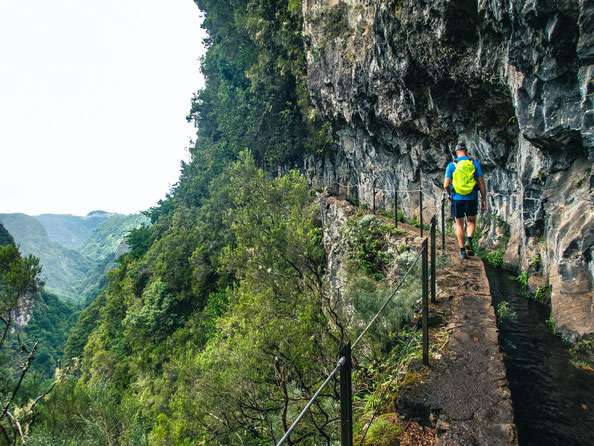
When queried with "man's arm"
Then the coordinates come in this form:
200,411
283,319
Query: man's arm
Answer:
446,186
483,189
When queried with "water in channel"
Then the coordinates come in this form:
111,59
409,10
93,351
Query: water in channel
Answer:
553,401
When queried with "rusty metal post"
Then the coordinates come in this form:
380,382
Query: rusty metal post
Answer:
421,211
433,255
373,197
424,280
346,403
395,206
443,249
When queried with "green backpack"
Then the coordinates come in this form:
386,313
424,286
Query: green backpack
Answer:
463,180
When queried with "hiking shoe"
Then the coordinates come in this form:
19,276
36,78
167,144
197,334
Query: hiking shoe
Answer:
468,248
463,255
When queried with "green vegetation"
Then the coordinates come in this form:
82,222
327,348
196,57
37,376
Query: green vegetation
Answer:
105,241
417,224
63,268
390,214
250,303
74,275
521,278
353,200
335,20
383,433
581,354
504,313
536,261
71,231
551,323
367,244
495,256
219,324
543,294
5,237
376,259
19,283
50,325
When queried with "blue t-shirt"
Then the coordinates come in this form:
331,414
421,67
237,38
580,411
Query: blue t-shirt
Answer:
450,174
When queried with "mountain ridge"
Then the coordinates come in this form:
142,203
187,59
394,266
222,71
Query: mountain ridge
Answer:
76,252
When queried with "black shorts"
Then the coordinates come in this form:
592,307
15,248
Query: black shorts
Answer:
461,208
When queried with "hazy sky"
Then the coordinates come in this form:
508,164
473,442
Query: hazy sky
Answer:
93,100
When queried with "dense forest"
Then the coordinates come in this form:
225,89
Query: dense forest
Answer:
218,325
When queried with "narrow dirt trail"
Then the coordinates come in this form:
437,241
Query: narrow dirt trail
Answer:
464,393
466,390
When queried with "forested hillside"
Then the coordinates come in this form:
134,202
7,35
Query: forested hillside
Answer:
36,318
75,252
72,231
217,318
5,237
63,269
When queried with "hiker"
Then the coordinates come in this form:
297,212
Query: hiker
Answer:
464,174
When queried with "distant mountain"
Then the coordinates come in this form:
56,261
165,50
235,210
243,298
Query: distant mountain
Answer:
72,231
104,245
75,252
108,237
64,269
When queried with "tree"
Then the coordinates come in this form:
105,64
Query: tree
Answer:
19,284
277,338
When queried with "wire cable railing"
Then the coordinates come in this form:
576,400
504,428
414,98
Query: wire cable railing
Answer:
396,193
388,300
341,363
345,361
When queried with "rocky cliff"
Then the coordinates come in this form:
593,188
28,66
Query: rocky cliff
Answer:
403,81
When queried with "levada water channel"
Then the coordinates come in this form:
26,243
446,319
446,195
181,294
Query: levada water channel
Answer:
553,400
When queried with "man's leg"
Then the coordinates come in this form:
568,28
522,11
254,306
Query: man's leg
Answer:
460,231
471,210
458,213
471,225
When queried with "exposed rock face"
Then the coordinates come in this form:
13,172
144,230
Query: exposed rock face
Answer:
403,80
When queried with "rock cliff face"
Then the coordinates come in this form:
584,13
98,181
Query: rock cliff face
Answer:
403,81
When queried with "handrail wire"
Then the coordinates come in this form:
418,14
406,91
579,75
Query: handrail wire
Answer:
389,190
388,300
410,338
341,362
377,188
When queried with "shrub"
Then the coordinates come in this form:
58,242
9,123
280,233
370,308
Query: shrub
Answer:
383,433
521,278
543,293
505,313
493,258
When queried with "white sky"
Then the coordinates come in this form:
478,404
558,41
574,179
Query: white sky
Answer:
93,100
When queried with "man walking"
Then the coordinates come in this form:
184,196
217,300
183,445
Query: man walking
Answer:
464,175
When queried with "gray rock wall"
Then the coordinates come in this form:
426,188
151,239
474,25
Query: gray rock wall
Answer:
403,80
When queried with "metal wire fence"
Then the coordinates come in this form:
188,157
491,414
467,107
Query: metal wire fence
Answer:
344,365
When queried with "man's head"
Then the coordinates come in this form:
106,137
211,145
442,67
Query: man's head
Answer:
461,149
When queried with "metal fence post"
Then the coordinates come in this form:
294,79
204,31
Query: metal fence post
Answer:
373,197
395,207
421,211
443,226
346,403
424,280
433,255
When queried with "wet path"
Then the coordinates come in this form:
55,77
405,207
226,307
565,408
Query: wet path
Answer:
553,401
